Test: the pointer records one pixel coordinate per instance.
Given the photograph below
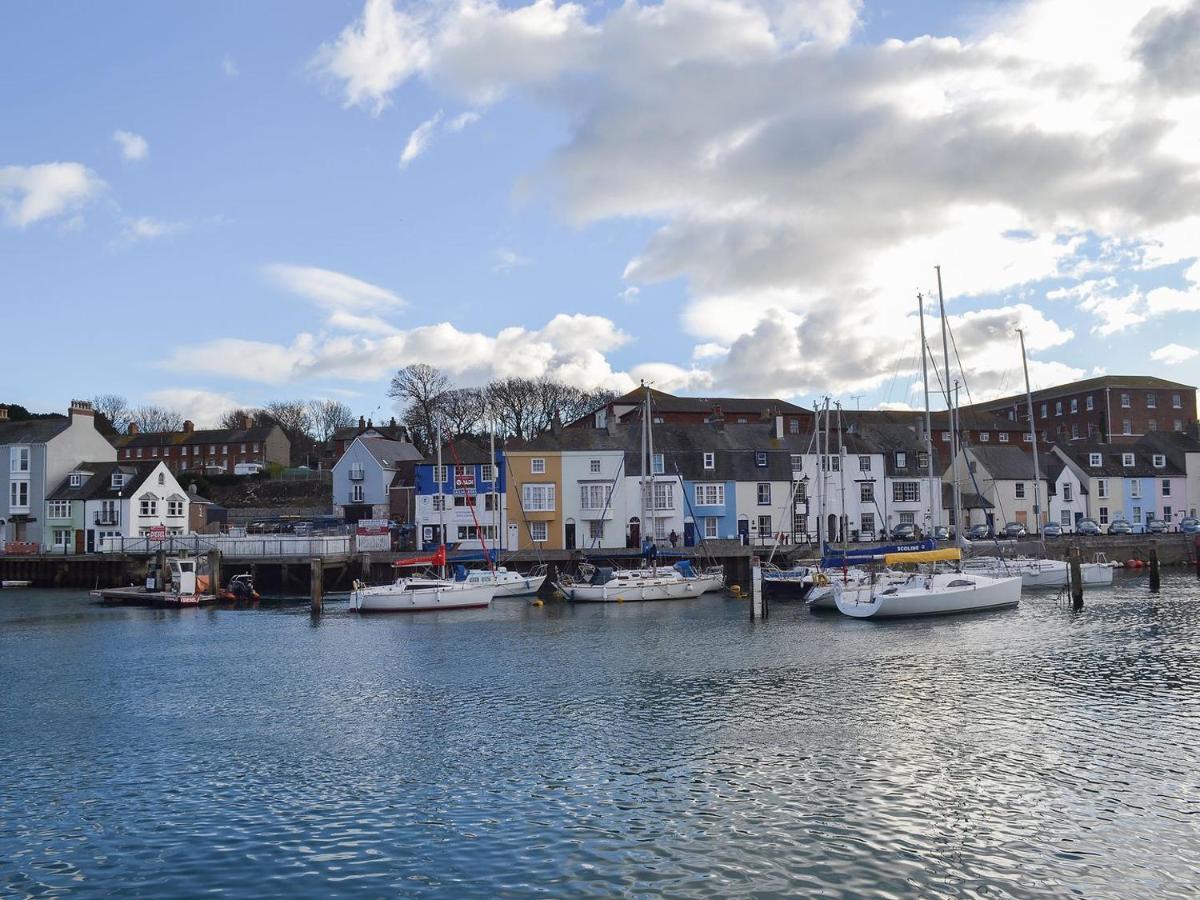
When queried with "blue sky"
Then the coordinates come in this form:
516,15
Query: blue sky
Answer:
580,210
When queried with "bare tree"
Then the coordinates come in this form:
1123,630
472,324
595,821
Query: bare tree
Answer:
156,418
114,408
327,416
235,419
514,404
463,410
419,388
292,416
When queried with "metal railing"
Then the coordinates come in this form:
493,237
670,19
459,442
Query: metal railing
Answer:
106,518
240,547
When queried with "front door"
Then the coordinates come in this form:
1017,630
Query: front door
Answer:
91,540
831,534
514,536
744,530
79,541
635,533
689,534
570,536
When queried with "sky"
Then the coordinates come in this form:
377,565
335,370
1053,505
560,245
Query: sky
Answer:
222,204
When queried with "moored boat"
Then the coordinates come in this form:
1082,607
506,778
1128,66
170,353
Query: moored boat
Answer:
929,593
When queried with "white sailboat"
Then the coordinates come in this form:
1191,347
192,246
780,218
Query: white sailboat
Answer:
931,594
1038,572
509,584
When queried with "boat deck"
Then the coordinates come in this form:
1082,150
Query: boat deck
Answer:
136,596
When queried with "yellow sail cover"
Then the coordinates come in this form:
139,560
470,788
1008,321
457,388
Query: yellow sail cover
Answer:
925,556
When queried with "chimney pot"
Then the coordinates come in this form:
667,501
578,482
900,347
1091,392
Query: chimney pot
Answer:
246,423
189,426
362,423
133,427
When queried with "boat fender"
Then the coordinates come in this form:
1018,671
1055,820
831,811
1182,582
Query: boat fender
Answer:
822,579
620,599
537,603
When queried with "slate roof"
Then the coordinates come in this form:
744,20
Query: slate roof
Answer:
1099,383
1007,463
392,432
99,485
888,439
259,434
390,453
32,431
661,401
1172,444
1112,465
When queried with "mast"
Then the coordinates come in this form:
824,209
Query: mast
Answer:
441,499
842,478
495,492
825,478
934,492
950,404
1037,477
650,455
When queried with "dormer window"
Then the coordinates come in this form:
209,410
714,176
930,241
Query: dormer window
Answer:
901,459
922,460
1094,459
76,479
710,460
760,458
118,479
1127,459
984,437
1160,461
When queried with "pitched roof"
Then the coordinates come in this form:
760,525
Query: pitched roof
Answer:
1112,460
390,453
99,485
258,434
32,431
1098,383
968,499
392,432
1005,463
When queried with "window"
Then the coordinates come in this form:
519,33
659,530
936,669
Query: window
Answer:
594,466
906,491
831,463
658,420
801,491
593,496
864,464
1179,424
907,518
212,449
1137,514
243,449
1027,438
797,462
127,453
710,460
1152,425
1166,487
901,459
866,524
660,529
537,466
1074,431
1058,407
439,502
538,531
1103,515
148,508
356,493
793,426
664,495
1135,488
195,450
1126,426
154,452
710,495
1127,459
866,492
596,530
1102,488
139,452
440,473
946,436
1124,401
18,459
162,478
711,524
118,479
464,474
760,458
538,497
764,493
1074,404
1002,437
1090,403
1166,514
1160,461
1176,402
1044,410
487,474
1094,459
1065,518
59,509
1067,489
1151,401
62,537
463,500
254,448
76,479
657,466
923,460
1019,488
764,525
174,508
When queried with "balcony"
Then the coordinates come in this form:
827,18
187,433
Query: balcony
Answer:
107,517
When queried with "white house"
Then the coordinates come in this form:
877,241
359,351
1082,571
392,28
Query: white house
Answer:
35,456
596,502
107,500
1002,475
1068,501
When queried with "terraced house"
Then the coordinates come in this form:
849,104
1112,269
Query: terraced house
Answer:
1134,482
214,451
100,502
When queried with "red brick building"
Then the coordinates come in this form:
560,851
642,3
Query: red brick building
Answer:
1117,408
668,408
212,451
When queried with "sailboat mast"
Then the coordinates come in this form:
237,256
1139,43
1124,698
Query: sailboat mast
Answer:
950,405
441,497
496,541
842,475
825,478
650,455
1037,476
642,467
934,493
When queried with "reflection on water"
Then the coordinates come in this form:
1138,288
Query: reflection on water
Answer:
647,749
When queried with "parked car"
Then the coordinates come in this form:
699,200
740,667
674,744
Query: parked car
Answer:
1155,526
1119,526
978,533
1051,530
905,531
941,533
1189,525
1014,530
1087,526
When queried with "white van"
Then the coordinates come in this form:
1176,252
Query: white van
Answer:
248,468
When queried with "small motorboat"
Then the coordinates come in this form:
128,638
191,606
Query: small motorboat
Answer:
15,584
240,588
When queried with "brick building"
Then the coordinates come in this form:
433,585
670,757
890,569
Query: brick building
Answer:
211,451
341,439
670,409
1117,408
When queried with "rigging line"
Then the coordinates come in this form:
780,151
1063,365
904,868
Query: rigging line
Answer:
961,371
471,506
612,486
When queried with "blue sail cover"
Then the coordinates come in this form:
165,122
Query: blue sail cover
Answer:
837,559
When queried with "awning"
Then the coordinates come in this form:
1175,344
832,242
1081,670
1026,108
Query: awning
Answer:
927,556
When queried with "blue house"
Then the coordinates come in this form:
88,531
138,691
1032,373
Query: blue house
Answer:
370,477
467,495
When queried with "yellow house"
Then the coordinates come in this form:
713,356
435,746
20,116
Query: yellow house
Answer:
535,499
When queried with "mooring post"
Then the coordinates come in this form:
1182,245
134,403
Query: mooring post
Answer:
758,603
1076,580
316,577
1154,566
214,572
160,567
1196,552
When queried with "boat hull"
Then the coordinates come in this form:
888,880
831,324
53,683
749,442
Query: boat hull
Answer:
398,598
979,594
523,587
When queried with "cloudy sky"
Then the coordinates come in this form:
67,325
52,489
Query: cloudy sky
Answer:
214,204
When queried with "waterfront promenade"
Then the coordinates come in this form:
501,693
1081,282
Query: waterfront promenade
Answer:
668,749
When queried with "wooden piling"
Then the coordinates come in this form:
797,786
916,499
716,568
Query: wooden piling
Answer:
160,569
316,579
1076,580
214,571
758,599
1154,581
1196,553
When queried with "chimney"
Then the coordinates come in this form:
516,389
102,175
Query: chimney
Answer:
3,413
779,428
556,424
133,428
82,408
392,422
369,425
245,423
189,426
362,423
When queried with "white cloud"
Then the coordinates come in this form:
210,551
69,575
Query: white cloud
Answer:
420,139
1173,354
133,146
462,120
31,193
229,68
332,290
146,228
805,187
507,260
709,351
202,407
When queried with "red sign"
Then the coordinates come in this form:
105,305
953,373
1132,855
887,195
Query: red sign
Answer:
464,482
158,533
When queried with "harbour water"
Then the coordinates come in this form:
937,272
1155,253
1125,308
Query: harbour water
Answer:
667,749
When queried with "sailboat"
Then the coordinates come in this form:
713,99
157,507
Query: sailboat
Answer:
420,594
